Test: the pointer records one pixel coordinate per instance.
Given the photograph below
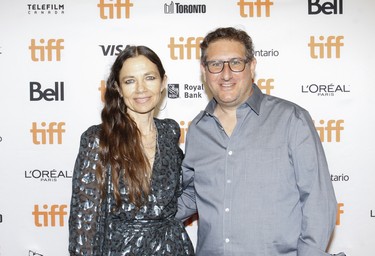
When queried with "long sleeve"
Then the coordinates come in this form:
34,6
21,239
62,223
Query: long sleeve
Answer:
186,202
84,207
317,196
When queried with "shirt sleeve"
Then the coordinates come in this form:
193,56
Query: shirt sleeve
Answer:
186,202
316,191
83,219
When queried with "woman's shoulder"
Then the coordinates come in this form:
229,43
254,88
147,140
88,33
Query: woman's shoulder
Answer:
170,126
167,122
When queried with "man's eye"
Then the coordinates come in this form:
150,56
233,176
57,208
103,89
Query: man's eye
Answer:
235,62
216,64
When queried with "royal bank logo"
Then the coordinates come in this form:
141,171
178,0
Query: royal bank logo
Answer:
45,9
116,9
45,175
173,91
325,89
257,8
333,7
178,8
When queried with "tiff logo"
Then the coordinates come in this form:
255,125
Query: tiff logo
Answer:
114,10
339,212
40,134
328,8
47,218
102,90
52,49
248,8
324,49
327,131
266,85
179,50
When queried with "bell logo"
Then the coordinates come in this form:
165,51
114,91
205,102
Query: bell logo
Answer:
49,94
40,134
52,49
324,49
265,85
328,8
115,10
185,48
47,218
339,212
248,8
327,131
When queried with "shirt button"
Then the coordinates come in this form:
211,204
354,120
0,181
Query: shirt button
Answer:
230,153
226,209
227,240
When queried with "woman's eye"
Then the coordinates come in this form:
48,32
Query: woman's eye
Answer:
129,81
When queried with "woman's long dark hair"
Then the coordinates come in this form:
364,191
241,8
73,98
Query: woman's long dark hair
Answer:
120,139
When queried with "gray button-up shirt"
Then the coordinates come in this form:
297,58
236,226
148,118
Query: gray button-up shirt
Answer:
266,189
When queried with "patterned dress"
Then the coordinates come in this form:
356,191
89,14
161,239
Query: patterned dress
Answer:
103,229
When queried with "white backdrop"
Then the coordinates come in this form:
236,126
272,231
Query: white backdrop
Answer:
55,56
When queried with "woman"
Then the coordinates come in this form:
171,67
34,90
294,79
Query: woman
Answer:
127,174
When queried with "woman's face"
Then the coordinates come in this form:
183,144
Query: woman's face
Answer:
140,85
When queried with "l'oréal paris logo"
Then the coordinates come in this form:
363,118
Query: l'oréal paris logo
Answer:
325,89
48,175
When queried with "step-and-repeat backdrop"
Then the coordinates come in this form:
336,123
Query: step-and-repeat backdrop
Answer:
55,57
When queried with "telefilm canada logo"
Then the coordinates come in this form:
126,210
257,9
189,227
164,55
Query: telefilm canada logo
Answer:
45,9
325,89
48,175
178,8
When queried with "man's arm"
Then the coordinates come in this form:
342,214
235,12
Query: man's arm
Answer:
317,195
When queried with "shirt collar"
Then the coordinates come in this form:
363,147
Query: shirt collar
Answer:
254,102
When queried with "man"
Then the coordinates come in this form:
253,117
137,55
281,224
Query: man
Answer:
254,167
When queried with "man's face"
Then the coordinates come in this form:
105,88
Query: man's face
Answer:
229,88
